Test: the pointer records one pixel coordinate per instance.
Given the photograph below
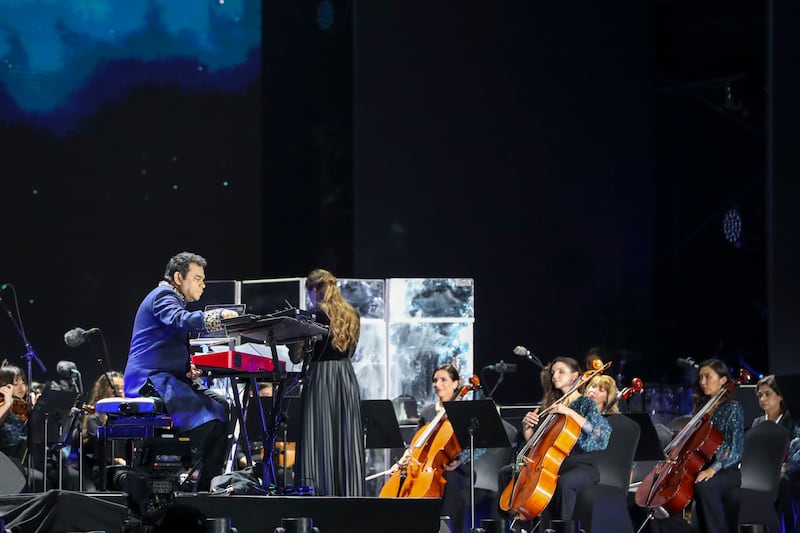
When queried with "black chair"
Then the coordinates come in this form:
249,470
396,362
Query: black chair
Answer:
603,508
765,446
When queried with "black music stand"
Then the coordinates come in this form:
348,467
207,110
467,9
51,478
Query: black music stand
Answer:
649,447
50,414
273,330
477,424
381,429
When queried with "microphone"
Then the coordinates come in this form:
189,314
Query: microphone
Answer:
77,336
67,369
686,362
526,353
503,367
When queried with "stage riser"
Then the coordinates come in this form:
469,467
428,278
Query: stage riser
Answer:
262,514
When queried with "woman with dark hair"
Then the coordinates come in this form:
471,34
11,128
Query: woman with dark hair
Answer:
13,432
13,388
331,447
447,385
770,400
722,472
578,470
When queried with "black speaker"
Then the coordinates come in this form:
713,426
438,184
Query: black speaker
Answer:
12,480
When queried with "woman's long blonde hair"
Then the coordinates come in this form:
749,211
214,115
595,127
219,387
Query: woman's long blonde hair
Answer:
345,324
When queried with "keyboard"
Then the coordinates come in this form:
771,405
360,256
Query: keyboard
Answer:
231,362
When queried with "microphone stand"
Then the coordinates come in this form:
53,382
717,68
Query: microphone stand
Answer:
114,391
29,356
76,423
99,359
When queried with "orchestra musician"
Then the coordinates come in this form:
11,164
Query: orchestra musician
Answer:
595,353
159,365
102,389
578,470
331,447
603,390
14,411
446,386
13,391
722,474
770,400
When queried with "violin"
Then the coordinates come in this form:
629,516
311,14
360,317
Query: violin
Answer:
669,487
433,446
18,406
536,468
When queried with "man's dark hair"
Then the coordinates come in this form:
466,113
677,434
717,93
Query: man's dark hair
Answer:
180,263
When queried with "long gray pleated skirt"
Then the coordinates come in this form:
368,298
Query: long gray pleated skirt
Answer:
331,447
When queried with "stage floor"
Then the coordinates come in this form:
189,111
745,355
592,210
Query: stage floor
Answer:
73,511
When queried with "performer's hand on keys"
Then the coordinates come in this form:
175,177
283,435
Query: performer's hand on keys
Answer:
228,313
194,372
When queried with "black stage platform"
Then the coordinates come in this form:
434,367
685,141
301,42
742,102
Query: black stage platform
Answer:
72,511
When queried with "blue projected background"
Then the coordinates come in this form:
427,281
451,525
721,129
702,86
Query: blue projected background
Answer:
131,130
59,61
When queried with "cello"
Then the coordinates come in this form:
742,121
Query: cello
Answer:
635,387
536,468
669,487
434,445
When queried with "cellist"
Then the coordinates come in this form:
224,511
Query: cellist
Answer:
722,474
578,470
446,385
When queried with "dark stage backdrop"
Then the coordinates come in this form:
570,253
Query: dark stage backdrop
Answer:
570,158
130,131
512,143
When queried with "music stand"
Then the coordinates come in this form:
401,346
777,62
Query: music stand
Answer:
649,447
381,429
476,423
51,412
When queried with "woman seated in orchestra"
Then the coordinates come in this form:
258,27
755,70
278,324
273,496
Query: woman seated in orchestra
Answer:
603,390
91,454
578,471
770,400
447,385
14,413
722,472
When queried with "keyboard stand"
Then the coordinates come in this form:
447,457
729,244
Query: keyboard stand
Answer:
274,330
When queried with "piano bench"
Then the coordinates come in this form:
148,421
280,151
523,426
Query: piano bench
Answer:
130,406
137,427
134,429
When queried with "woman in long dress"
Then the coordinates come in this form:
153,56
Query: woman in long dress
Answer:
331,447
